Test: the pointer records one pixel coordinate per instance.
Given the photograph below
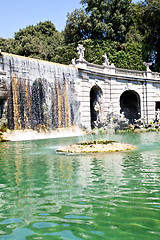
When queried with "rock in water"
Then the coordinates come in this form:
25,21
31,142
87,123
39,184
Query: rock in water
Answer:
96,147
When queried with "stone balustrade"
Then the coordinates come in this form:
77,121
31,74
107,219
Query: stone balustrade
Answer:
112,70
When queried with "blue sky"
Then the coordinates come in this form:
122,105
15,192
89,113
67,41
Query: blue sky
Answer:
18,14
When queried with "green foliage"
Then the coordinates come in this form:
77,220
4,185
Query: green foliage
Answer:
112,27
8,45
109,19
96,49
130,57
105,142
152,35
64,54
40,41
77,26
128,33
145,28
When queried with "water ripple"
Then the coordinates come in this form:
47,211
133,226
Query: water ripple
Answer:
109,196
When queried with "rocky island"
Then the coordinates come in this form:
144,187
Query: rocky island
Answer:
99,146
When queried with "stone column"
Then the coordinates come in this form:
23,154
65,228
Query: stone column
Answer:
85,101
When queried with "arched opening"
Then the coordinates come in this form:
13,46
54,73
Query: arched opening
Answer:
95,106
2,102
130,105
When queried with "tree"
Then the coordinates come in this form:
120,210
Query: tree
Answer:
40,41
128,55
77,27
8,45
110,19
152,36
129,33
99,19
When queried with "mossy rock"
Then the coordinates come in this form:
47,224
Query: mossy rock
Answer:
99,146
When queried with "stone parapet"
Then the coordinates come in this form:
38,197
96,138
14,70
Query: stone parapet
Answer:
109,69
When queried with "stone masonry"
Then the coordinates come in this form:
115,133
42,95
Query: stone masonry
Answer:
112,86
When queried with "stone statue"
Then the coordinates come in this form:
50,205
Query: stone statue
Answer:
106,61
81,50
73,61
147,66
2,83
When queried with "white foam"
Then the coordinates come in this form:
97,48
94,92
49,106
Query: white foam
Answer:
23,135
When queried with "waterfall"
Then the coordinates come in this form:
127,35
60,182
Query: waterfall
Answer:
40,94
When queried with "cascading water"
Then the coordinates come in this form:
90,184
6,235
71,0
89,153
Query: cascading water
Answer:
40,94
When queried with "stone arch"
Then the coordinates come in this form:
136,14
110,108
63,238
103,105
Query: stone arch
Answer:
2,104
96,106
130,105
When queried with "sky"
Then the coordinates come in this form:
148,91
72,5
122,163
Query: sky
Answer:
18,14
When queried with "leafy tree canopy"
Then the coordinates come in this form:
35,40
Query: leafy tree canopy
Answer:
128,32
152,34
109,19
40,41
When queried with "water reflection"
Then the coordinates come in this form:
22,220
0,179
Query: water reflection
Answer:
94,196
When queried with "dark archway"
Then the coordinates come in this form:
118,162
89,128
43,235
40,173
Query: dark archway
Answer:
157,106
95,105
2,102
130,105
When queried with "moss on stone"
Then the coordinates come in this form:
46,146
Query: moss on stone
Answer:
98,146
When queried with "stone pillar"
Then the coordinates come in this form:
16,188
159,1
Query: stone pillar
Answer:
148,71
107,93
81,64
85,118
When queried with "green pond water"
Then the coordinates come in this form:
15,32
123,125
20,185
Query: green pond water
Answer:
46,195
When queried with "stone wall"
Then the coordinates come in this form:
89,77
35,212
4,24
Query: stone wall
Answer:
114,82
35,92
